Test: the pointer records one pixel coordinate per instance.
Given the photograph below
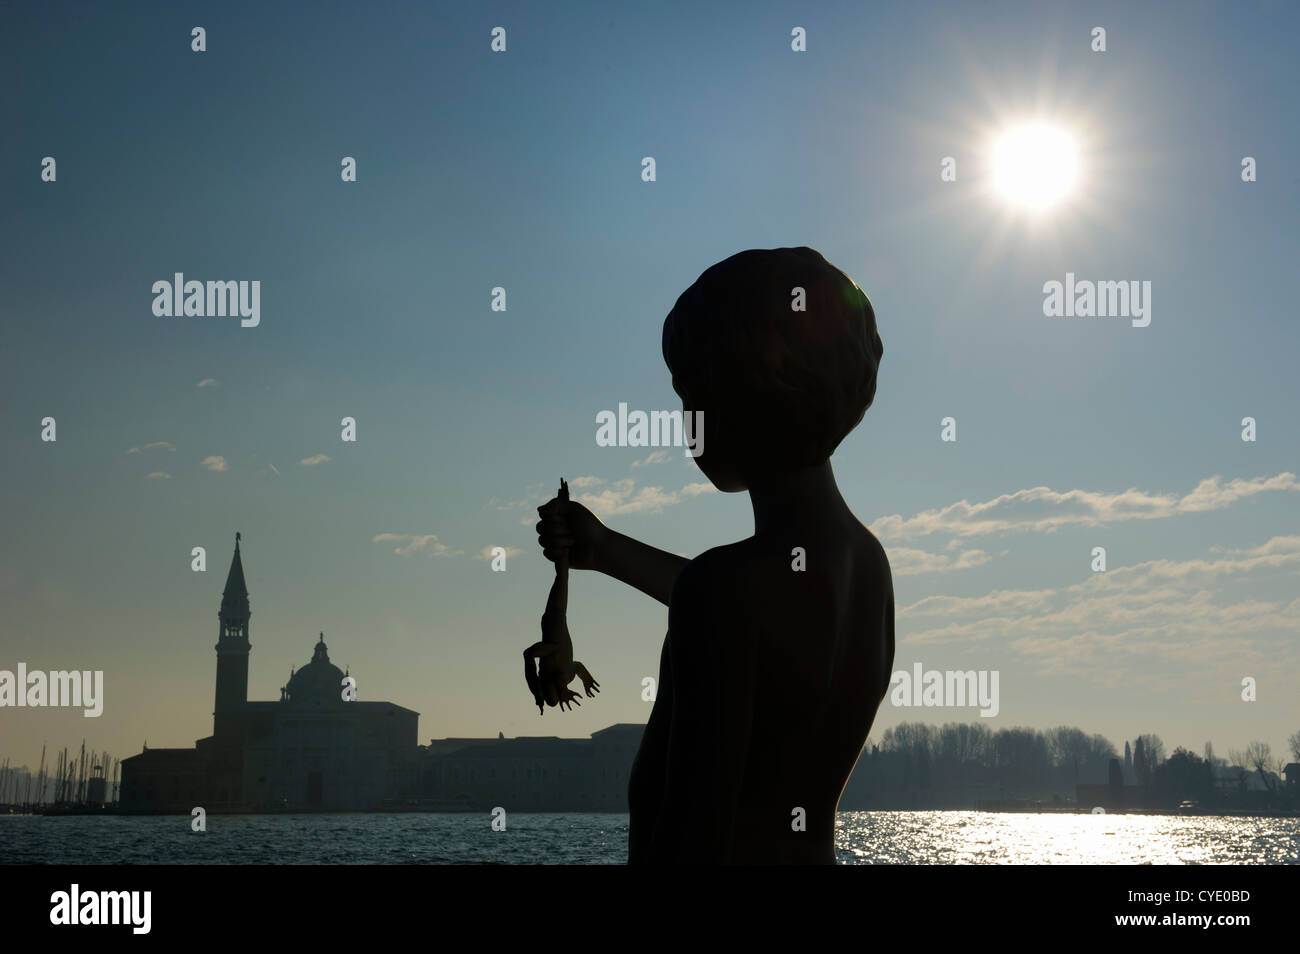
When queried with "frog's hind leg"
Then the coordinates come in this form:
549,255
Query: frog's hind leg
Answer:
531,656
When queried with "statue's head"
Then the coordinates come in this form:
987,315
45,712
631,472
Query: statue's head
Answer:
780,387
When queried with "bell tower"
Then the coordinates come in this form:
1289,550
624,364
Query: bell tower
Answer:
232,646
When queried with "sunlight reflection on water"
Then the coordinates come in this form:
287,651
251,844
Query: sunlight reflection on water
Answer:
1059,838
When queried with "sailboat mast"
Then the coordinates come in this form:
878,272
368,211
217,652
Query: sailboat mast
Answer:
40,785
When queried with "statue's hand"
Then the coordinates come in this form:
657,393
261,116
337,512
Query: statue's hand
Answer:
568,525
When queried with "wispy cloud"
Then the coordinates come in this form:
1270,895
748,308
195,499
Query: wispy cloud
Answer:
1043,510
159,475
534,495
410,544
701,487
620,497
314,460
654,457
214,463
1150,580
1133,621
154,445
274,469
608,498
208,383
905,561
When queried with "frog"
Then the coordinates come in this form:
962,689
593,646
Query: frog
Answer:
549,665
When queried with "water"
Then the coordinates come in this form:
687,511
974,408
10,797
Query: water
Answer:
861,837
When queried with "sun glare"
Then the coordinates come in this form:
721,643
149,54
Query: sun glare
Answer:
1035,165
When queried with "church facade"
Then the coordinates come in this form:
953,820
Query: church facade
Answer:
312,750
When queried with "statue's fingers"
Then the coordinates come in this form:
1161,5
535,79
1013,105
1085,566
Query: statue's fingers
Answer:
554,539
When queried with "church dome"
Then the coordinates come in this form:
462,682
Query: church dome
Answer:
320,681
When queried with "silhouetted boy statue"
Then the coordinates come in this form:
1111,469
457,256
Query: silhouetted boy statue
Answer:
779,646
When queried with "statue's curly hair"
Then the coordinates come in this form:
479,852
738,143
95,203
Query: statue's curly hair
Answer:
790,384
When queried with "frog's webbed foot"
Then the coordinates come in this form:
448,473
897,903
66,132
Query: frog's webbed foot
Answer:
567,698
589,684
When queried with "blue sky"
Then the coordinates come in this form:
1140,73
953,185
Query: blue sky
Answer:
522,170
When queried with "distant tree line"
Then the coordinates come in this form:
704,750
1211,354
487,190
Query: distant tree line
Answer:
956,763
916,756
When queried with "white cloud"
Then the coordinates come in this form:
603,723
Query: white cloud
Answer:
208,383
1041,509
621,497
998,601
532,498
694,490
905,561
165,445
314,460
214,463
409,544
654,457
159,475
611,498
1135,623
1147,582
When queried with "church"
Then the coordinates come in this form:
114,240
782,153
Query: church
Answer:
312,750
315,750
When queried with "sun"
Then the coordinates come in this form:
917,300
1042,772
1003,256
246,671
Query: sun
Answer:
1034,166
